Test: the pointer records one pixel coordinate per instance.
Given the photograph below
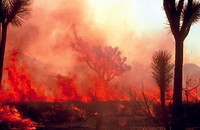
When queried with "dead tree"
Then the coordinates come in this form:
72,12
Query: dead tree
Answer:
187,90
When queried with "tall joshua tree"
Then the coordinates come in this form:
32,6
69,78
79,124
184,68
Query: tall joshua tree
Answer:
11,11
181,14
162,74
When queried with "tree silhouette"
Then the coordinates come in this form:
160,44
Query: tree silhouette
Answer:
181,14
105,61
11,11
162,74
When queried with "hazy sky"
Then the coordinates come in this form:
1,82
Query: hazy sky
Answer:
137,27
146,19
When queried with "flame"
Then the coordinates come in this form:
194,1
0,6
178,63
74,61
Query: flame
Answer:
19,85
21,89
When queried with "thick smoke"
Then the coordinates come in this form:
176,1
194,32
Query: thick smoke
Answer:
46,36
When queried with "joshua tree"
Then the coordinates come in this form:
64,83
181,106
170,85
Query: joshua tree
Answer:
105,61
162,74
181,14
11,11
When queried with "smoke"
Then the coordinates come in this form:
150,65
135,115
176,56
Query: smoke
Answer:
46,36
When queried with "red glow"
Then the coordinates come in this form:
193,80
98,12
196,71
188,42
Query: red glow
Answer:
19,85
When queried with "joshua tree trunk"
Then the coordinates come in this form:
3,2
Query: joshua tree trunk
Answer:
164,111
177,112
2,49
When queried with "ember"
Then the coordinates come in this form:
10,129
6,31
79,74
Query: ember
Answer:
10,118
78,114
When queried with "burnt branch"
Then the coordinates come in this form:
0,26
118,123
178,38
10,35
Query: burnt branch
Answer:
187,90
144,105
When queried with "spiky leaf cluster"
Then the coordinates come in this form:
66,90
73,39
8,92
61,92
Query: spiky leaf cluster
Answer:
14,11
181,14
162,69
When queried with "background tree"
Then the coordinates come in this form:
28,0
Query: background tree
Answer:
162,74
181,14
105,61
11,11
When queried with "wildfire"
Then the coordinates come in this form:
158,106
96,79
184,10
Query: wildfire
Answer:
19,85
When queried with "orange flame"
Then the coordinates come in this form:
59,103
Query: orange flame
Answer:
19,85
